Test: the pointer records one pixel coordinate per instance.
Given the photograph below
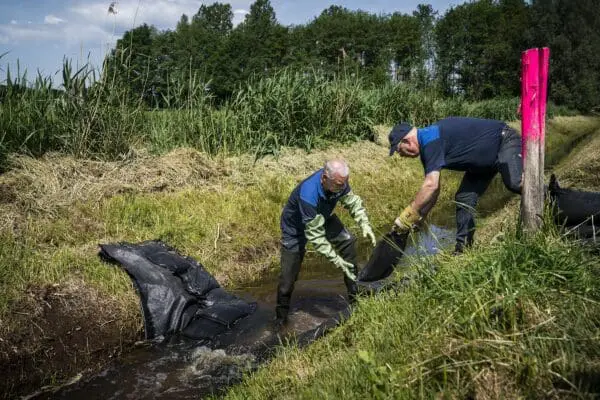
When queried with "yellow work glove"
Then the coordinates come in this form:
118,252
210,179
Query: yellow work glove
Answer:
407,220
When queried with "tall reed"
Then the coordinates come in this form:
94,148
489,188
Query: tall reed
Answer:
99,115
87,116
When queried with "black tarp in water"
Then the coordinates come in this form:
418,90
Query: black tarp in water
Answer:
575,208
177,294
386,255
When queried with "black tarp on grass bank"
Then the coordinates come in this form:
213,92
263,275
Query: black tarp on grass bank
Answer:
576,210
177,294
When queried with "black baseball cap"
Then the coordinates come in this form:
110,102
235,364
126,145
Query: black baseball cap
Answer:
397,134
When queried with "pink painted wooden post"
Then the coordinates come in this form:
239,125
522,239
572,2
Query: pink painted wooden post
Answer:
534,78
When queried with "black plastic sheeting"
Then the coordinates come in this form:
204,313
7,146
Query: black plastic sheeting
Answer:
386,255
177,294
575,208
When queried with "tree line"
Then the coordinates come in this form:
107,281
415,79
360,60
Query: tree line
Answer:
472,50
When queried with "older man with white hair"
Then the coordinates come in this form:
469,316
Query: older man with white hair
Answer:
308,218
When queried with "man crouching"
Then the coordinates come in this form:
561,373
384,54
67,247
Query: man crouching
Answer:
308,217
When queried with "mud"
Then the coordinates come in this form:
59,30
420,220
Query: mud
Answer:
58,332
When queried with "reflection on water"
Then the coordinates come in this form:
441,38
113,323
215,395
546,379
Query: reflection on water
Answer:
430,240
184,369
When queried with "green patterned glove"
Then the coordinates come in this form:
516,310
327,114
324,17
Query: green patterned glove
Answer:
345,266
367,231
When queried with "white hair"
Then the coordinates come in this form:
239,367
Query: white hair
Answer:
336,167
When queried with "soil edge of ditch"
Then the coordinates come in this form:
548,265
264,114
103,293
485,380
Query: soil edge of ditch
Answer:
60,331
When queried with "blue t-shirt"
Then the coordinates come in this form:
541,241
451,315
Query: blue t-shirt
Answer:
460,144
306,201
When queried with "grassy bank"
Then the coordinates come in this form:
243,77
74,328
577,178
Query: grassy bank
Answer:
575,163
221,210
519,319
581,168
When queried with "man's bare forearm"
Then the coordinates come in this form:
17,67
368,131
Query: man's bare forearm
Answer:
429,205
428,194
425,199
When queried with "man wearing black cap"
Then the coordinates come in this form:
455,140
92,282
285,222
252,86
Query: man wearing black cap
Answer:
479,147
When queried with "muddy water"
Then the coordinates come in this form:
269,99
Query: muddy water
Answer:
184,369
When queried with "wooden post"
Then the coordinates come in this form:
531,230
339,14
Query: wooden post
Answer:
534,78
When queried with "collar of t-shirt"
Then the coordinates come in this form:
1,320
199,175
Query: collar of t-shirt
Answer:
427,135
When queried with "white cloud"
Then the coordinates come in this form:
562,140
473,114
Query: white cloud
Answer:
87,26
91,21
53,20
25,32
161,13
164,14
239,15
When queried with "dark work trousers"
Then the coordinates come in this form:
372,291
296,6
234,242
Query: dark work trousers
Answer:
474,183
292,254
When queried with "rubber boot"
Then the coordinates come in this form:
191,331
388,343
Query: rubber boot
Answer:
290,267
351,287
460,247
347,250
281,318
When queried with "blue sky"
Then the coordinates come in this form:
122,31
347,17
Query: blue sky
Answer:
40,33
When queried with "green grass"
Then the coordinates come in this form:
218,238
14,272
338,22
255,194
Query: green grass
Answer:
309,111
84,119
519,319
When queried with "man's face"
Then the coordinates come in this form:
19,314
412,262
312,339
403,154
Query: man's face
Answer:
408,148
333,184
